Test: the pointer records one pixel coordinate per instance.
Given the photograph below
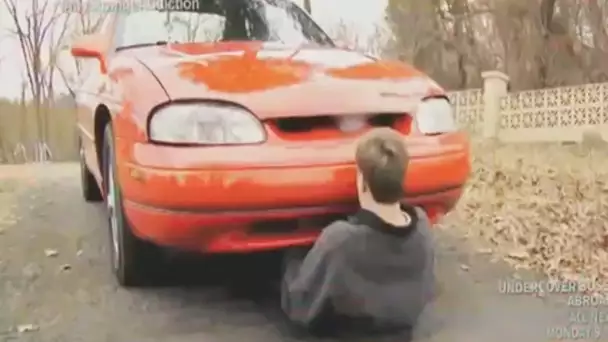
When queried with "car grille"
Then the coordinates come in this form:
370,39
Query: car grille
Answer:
328,124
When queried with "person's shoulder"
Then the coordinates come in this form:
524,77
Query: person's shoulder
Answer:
337,232
338,228
423,219
423,223
423,227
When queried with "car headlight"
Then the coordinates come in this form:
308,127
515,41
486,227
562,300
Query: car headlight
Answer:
435,115
205,124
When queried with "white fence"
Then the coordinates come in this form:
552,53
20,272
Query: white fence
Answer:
545,115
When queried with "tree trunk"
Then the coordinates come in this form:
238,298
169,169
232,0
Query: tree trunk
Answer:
547,11
308,6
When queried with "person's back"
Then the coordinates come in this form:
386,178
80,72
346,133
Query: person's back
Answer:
373,272
390,269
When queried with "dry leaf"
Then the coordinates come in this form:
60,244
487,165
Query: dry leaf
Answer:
51,253
23,328
542,207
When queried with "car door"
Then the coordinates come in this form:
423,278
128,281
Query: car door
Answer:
89,94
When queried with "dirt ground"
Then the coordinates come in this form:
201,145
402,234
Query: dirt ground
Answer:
55,283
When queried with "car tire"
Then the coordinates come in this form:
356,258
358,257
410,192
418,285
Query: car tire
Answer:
133,260
88,184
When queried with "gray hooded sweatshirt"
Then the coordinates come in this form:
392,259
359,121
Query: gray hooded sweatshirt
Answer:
363,274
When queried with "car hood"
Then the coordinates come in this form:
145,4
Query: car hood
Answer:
275,80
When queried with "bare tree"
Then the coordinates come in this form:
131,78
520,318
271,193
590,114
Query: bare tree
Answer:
55,48
31,29
431,35
308,6
23,124
2,56
56,38
537,43
194,25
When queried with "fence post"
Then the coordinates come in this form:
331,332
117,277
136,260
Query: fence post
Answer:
494,88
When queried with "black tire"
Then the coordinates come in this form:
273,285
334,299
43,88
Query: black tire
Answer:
88,184
134,261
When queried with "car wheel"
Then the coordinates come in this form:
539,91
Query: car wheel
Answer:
88,184
133,260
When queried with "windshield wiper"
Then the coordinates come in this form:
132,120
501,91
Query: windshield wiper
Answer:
134,46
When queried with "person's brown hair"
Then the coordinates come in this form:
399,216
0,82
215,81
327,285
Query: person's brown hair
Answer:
382,159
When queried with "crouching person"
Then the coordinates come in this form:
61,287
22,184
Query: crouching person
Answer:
372,273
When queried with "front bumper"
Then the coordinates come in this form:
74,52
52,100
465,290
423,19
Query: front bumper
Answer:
254,230
251,186
215,199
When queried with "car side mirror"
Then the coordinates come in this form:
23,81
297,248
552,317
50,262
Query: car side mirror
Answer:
91,46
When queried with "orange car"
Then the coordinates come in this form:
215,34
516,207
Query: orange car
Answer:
230,127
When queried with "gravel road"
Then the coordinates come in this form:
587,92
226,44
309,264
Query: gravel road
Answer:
55,283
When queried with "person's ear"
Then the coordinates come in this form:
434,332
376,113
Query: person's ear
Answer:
364,186
360,183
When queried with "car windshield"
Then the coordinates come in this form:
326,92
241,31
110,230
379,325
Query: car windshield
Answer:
219,20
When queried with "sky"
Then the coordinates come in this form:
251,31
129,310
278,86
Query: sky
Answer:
362,17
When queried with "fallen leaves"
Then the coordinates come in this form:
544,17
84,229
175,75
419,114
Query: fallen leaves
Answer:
51,253
542,207
23,328
518,255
